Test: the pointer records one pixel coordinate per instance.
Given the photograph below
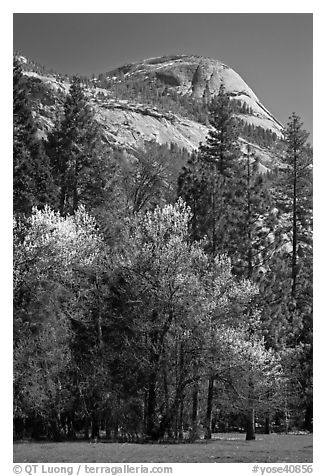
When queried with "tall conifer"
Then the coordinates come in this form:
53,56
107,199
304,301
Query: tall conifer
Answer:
72,146
254,219
295,200
206,182
32,179
297,194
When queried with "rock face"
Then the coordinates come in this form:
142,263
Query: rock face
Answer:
195,75
127,124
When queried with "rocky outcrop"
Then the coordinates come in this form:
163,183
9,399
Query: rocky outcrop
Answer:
130,126
208,76
196,76
127,125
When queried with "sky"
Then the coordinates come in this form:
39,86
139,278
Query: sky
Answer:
272,52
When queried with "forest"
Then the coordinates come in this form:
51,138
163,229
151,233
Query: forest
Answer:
159,296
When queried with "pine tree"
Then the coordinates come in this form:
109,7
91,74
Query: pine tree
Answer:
206,182
72,146
192,188
297,193
32,180
221,148
296,198
255,219
286,288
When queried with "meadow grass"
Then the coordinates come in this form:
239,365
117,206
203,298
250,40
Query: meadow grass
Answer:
224,448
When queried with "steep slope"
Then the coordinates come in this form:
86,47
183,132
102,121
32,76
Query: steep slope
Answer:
127,121
196,76
126,124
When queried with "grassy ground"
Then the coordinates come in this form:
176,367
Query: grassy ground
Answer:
225,448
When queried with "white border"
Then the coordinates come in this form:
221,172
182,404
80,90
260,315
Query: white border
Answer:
168,6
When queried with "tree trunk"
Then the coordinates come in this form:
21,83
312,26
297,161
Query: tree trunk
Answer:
156,343
19,428
62,198
71,433
214,240
286,415
194,415
95,427
180,375
107,429
151,407
251,412
75,187
209,409
86,429
37,428
171,416
180,423
267,425
145,409
308,418
165,381
55,429
249,219
115,430
294,229
98,312
250,435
